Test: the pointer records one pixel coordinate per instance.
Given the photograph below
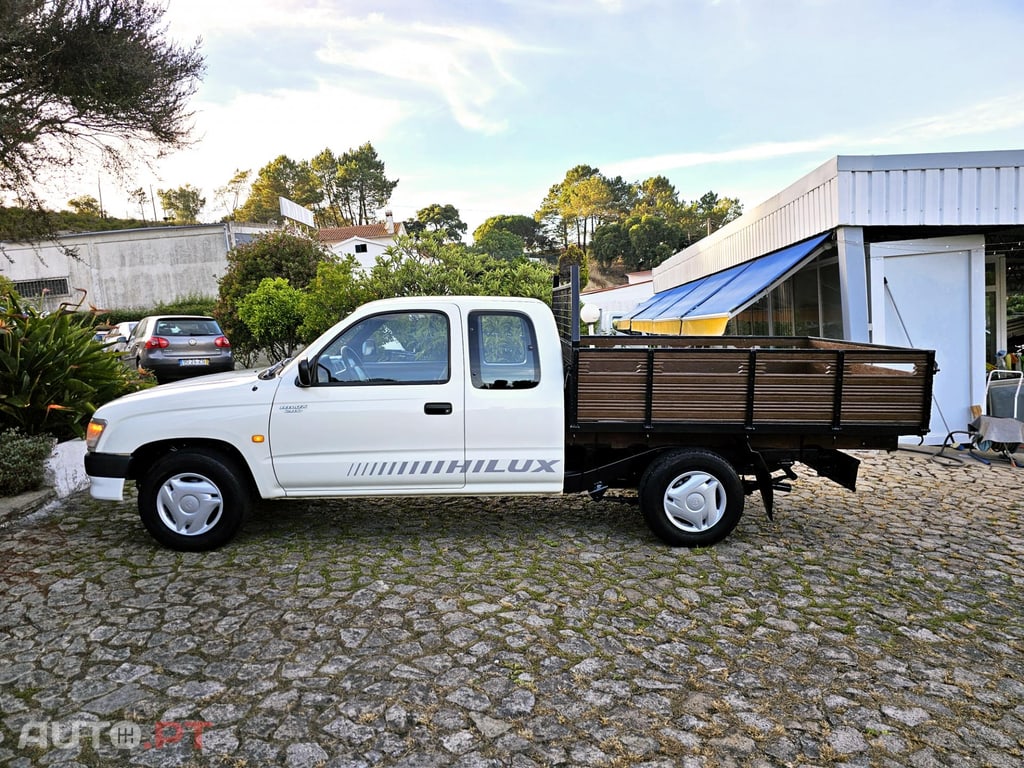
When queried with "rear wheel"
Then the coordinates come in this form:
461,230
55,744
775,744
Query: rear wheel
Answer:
193,500
691,498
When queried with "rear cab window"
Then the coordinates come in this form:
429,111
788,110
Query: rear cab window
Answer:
502,351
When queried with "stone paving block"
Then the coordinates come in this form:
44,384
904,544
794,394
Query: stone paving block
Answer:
877,628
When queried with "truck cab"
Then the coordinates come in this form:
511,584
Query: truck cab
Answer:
411,396
425,396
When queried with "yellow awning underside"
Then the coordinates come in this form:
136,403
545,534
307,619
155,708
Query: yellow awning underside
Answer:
704,325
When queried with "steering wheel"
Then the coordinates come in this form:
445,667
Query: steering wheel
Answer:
353,363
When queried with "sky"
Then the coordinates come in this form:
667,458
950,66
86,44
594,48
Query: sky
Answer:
485,104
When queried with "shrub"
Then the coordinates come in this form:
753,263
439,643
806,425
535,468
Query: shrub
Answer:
183,305
53,375
292,256
22,461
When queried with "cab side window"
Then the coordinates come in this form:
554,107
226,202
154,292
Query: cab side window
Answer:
502,351
390,348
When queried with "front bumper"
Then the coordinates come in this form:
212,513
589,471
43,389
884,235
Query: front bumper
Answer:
107,465
107,473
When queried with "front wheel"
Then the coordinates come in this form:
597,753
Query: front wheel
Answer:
691,498
193,500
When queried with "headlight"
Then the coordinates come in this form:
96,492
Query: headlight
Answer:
93,432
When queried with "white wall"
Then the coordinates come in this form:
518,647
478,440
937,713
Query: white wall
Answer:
617,302
129,268
366,260
930,294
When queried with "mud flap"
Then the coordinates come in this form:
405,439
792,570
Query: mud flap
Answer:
764,482
835,465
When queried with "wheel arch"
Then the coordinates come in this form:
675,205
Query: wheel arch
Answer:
145,456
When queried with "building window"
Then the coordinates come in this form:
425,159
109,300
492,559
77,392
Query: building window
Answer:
361,248
34,289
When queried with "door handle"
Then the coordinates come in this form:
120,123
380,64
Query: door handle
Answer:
437,409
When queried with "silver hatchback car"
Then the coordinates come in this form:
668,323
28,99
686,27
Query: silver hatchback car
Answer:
178,346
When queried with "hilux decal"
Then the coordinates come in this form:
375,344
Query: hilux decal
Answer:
452,466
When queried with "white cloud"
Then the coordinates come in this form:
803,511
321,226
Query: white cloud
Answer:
643,167
462,65
247,133
988,117
999,114
188,19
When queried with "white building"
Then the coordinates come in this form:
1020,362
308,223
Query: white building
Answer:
908,250
619,301
365,242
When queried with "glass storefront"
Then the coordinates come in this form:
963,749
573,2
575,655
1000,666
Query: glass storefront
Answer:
807,304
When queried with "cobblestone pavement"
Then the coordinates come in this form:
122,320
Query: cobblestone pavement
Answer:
881,628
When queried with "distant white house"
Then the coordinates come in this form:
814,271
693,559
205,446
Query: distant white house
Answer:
365,242
619,301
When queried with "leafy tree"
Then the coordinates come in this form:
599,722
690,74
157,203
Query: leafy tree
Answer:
652,239
281,177
78,74
183,203
581,202
362,188
432,267
659,225
273,314
140,198
709,213
326,169
657,195
292,256
526,227
443,219
86,204
500,244
228,196
611,244
336,290
574,255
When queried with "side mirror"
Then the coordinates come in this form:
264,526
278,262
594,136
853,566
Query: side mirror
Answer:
305,375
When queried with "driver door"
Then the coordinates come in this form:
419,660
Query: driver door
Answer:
385,412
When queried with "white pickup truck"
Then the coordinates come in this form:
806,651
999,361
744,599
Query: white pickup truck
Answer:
494,396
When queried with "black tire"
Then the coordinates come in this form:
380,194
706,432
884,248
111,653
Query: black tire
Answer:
691,498
194,500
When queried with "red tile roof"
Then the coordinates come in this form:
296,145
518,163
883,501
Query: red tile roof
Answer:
370,231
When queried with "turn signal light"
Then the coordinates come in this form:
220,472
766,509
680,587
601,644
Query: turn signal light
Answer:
93,432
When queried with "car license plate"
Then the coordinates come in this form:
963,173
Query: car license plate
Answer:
193,361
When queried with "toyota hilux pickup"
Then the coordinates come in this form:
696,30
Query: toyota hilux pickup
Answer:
495,396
